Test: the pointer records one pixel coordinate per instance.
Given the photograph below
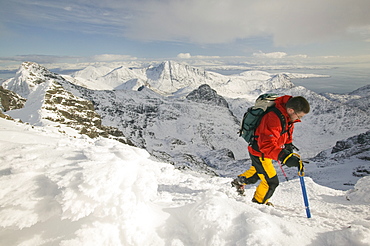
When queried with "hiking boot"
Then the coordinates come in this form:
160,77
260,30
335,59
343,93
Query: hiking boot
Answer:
266,203
269,204
239,186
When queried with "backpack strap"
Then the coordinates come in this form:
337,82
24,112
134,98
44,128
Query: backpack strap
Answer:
283,126
281,118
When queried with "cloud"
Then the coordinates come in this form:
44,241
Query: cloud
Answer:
299,56
184,56
286,22
111,57
52,59
38,58
83,16
188,56
275,55
61,63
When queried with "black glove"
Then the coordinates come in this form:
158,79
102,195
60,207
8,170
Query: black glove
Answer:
292,161
288,158
283,154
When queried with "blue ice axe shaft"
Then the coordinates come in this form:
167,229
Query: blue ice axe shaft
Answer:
303,186
305,198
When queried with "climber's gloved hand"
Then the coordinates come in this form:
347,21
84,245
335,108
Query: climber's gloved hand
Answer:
293,161
288,158
283,155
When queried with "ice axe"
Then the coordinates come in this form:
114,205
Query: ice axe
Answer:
303,186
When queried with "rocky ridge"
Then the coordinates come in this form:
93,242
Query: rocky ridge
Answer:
47,100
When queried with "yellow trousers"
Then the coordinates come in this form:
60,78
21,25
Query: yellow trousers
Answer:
264,170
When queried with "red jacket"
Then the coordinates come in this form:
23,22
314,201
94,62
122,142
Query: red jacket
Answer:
269,140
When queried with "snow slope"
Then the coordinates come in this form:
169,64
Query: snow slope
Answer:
67,189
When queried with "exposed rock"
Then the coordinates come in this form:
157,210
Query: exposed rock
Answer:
10,100
353,145
205,94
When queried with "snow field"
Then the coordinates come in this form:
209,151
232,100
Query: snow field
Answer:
60,189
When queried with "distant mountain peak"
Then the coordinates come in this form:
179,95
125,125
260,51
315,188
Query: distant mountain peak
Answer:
281,80
170,77
28,76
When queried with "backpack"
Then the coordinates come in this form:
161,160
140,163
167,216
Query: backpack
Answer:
252,118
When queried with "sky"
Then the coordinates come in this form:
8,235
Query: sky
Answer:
51,31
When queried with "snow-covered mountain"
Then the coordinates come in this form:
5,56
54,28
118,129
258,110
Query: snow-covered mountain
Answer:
49,103
182,115
173,78
28,77
329,121
180,131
